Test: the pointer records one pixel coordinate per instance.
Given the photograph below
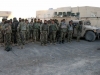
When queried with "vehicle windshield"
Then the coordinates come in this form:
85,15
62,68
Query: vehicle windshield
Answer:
87,23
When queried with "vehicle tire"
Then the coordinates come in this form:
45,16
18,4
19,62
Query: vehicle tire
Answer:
90,36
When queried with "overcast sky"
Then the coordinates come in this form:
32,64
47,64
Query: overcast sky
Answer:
27,8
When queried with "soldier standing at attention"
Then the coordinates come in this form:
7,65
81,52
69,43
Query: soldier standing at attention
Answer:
44,30
70,31
54,28
63,31
22,28
27,31
79,30
2,32
31,29
7,35
14,30
36,28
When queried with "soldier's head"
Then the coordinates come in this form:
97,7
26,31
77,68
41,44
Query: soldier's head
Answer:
45,21
70,22
80,22
26,21
35,20
22,20
3,20
41,21
63,20
31,20
52,22
38,20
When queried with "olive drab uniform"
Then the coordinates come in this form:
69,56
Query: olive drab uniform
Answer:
14,31
63,31
79,30
7,36
31,30
22,31
27,32
44,30
53,30
1,32
70,32
36,27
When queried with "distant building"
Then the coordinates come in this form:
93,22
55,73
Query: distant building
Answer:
6,14
79,12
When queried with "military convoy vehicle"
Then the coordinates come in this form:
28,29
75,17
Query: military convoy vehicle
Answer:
89,32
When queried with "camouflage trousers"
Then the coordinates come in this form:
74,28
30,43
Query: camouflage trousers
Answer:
53,37
14,37
31,34
27,35
7,40
44,37
78,35
21,38
35,35
63,35
1,38
69,38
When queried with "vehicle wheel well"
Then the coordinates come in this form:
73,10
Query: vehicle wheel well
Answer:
87,31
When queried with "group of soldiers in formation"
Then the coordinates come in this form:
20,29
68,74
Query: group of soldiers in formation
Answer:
14,32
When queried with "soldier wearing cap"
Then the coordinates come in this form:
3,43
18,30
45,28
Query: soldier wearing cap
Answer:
70,31
31,30
2,32
7,35
22,31
36,28
63,31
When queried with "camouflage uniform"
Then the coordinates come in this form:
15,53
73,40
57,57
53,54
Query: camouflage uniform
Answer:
22,33
36,27
53,28
63,31
79,30
1,32
70,32
7,36
14,31
44,30
31,30
27,32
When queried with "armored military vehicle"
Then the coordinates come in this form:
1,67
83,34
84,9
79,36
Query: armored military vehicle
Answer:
89,32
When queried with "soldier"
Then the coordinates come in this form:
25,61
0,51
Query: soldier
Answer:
36,28
31,29
22,31
63,31
27,31
53,27
2,32
44,30
70,31
79,30
7,35
14,30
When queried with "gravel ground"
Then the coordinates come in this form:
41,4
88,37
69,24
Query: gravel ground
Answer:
75,58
